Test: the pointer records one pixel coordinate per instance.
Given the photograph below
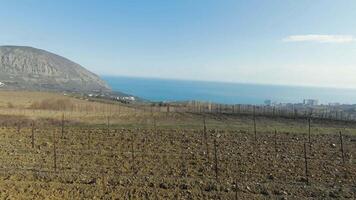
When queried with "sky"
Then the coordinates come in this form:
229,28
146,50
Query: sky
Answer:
282,42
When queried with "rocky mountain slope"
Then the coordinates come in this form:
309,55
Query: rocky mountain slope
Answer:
29,68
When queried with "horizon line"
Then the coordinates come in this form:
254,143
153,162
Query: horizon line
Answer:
230,82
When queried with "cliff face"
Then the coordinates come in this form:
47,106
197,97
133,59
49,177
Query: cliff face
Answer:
34,69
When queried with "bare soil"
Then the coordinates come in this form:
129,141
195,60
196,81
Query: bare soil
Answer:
93,162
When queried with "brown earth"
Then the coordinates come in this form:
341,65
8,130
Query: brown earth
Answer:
172,164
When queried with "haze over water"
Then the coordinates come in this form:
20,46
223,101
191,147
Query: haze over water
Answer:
229,93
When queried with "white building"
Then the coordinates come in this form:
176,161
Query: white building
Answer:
310,102
129,98
126,98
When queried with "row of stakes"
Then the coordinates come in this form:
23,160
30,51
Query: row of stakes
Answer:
216,166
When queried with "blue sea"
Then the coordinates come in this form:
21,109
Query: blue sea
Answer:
228,93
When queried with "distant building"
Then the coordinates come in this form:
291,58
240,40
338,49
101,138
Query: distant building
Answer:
310,102
334,104
129,98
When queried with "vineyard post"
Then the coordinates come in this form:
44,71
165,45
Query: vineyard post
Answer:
62,126
206,139
168,109
336,115
18,127
342,148
33,134
309,131
89,139
254,122
273,111
216,161
155,124
306,163
108,124
133,153
275,141
54,152
183,157
295,113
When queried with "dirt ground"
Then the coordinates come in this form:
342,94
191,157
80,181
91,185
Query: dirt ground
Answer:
94,163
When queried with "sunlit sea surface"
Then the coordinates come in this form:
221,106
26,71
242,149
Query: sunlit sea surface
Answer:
230,93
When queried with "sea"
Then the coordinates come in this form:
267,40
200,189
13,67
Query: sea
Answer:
155,89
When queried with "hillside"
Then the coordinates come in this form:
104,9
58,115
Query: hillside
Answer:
28,68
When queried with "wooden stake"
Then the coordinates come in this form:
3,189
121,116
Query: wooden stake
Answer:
254,123
275,142
342,148
155,124
132,153
206,140
54,152
89,139
18,128
295,113
62,125
309,128
306,163
216,161
33,134
183,157
108,124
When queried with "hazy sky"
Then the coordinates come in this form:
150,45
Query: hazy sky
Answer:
295,42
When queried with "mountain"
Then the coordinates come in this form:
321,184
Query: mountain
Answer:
29,68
